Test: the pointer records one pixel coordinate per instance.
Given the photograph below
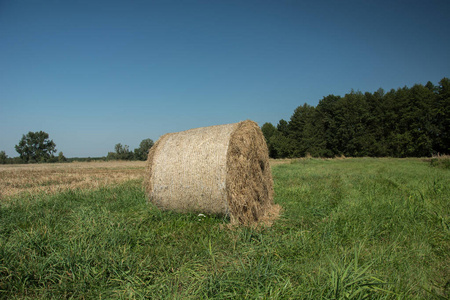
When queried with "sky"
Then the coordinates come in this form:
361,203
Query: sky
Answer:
96,73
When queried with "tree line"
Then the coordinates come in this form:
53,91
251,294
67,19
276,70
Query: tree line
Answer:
36,147
123,152
407,122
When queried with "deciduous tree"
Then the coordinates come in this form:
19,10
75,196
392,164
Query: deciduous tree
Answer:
141,153
35,147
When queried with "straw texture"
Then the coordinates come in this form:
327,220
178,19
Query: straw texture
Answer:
220,169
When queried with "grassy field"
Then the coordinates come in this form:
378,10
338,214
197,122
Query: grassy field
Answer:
350,229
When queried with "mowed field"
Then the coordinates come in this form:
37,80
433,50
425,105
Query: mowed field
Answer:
53,178
349,229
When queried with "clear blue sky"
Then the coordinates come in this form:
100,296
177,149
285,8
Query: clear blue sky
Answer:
96,73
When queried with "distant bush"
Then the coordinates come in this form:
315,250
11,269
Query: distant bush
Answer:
441,162
61,157
3,157
14,160
123,152
85,159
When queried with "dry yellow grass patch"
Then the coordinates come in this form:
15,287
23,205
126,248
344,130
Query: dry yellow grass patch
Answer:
280,161
54,178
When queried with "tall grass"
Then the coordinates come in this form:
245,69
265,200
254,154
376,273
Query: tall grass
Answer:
350,229
441,161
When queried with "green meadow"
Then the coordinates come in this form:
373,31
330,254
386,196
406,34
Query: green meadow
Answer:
360,228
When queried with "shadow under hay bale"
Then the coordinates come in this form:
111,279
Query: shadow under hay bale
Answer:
221,169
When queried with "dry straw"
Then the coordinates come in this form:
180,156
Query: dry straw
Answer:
220,169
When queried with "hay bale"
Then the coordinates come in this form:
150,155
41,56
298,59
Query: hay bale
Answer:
220,169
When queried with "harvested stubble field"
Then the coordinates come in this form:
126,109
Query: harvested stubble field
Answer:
350,229
53,178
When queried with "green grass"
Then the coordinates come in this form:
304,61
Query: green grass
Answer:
350,229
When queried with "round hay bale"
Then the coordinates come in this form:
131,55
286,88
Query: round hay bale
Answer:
220,169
